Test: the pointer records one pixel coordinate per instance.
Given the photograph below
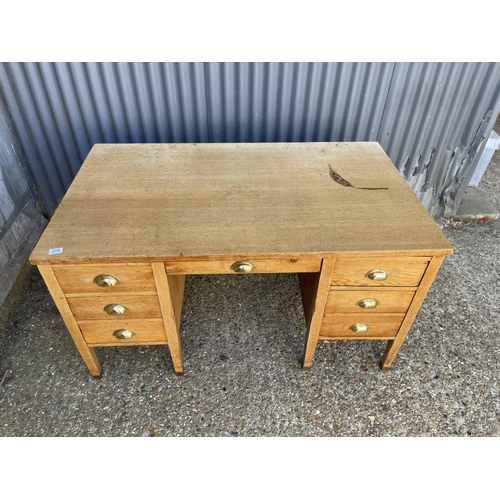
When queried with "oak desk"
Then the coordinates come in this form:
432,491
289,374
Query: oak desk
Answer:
138,218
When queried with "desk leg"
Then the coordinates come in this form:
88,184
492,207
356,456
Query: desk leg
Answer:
170,289
86,352
315,288
393,345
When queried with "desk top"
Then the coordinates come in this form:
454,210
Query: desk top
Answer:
143,202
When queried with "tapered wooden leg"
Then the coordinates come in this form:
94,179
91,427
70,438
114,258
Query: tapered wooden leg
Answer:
389,354
89,357
314,295
86,352
170,289
393,346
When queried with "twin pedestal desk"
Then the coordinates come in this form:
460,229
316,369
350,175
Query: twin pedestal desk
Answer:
138,218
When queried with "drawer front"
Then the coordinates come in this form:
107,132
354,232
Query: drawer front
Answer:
384,326
370,301
117,277
145,332
245,265
379,271
115,306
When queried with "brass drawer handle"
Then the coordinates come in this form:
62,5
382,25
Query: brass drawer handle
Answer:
359,328
115,309
368,303
377,274
243,267
106,280
123,334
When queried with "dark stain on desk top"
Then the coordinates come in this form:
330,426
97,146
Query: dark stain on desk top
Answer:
340,180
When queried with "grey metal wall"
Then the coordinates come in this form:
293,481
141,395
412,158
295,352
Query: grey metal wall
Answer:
437,121
20,222
431,118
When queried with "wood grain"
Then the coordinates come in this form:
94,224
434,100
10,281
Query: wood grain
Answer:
319,295
79,278
404,271
381,325
389,301
394,345
223,266
147,331
155,201
176,285
308,283
92,307
151,213
170,294
87,353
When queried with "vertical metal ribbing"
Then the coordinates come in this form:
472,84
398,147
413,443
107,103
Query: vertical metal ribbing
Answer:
423,114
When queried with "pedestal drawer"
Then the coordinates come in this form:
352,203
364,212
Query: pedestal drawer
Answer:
116,306
370,301
379,271
105,278
120,332
361,326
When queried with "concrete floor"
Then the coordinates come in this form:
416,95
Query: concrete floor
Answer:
242,339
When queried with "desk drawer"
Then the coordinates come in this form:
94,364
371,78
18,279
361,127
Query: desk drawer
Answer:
113,278
144,331
383,326
114,306
379,271
370,301
252,266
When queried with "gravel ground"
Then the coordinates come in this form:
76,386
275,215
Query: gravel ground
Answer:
242,340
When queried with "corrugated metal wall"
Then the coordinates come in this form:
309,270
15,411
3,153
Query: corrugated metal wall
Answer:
20,222
292,102
437,120
16,200
431,118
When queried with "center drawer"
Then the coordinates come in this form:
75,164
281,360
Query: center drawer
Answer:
246,265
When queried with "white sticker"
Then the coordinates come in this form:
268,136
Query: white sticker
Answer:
54,251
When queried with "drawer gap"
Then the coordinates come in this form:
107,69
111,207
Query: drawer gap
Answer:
121,344
100,294
357,338
366,289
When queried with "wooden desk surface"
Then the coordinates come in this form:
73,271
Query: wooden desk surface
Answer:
133,202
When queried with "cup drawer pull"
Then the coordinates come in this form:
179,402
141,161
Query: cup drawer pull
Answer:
368,303
123,334
242,266
106,280
377,274
359,328
115,309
